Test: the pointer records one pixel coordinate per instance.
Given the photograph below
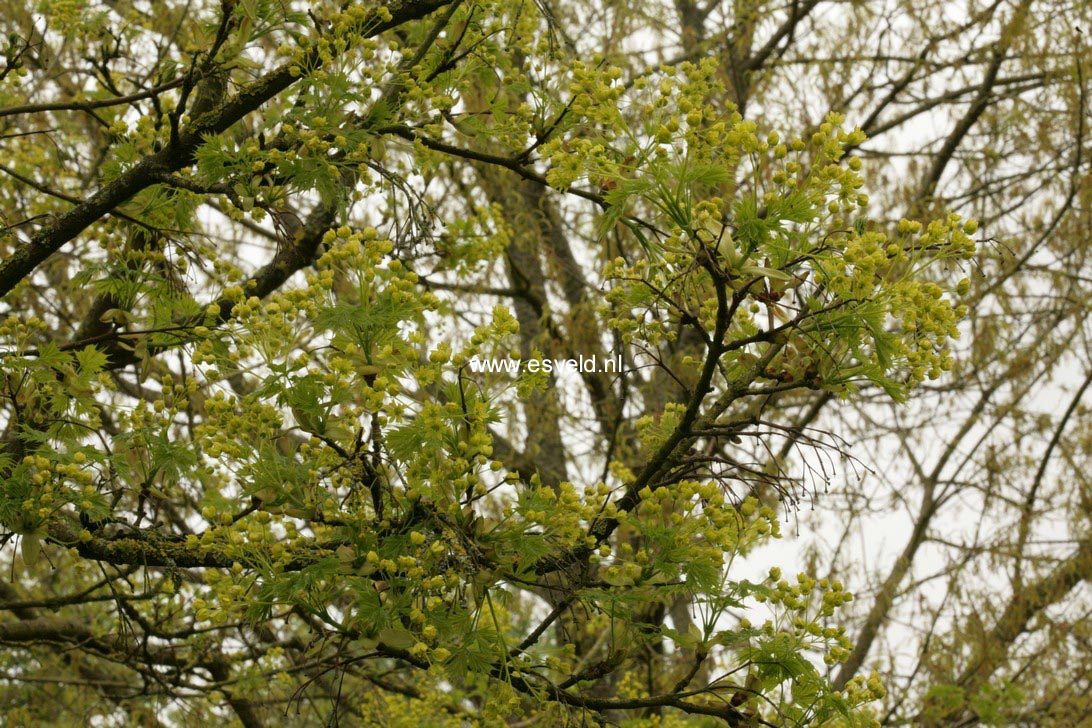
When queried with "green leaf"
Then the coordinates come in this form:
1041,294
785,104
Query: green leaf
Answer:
51,356
794,207
91,361
397,638
707,174
759,271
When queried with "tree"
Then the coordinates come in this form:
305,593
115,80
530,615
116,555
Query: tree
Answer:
264,457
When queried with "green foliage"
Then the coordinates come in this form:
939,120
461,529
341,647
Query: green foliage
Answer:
250,466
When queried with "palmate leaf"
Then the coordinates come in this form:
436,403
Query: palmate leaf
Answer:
702,575
308,586
874,318
751,230
738,636
50,356
703,174
666,190
779,659
877,350
835,704
528,549
369,605
478,652
793,207
276,479
468,397
756,227
269,15
170,458
369,325
307,398
405,440
783,244
618,200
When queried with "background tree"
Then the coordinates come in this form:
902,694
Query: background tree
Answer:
250,251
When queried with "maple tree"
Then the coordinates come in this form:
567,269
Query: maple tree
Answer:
253,254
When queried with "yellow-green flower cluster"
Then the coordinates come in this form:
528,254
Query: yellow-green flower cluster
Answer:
53,485
595,91
805,606
689,533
